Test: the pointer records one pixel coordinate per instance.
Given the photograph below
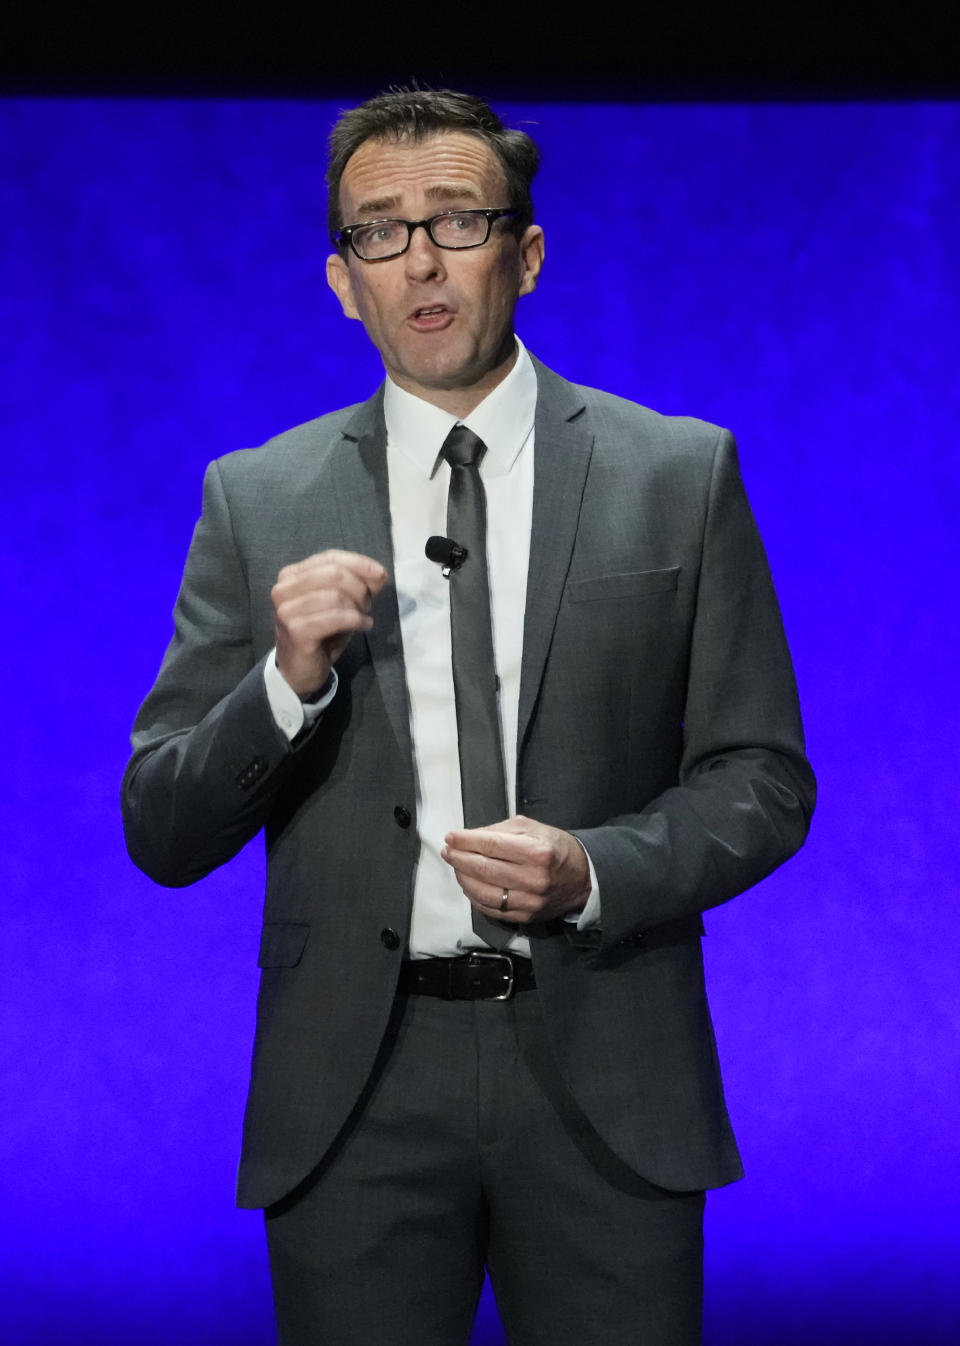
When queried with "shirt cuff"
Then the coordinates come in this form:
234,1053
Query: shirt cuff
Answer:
291,714
589,917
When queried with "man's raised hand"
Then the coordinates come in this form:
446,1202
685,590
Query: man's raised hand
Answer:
318,604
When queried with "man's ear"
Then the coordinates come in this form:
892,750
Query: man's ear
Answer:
531,258
338,278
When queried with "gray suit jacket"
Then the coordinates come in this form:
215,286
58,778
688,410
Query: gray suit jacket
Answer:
658,721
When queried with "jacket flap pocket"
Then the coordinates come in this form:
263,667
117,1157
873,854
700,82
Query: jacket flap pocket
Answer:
282,943
633,584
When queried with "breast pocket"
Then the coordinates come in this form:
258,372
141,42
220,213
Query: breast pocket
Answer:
632,584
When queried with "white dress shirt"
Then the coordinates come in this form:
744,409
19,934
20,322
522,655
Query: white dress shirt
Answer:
418,483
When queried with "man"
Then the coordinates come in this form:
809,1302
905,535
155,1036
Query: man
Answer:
499,786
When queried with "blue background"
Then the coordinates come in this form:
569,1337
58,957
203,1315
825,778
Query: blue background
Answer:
789,271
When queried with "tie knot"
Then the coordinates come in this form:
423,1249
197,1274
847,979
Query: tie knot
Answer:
462,448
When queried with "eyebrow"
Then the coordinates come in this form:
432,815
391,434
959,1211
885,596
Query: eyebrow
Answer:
442,191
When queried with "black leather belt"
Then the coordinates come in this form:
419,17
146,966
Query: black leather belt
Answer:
474,976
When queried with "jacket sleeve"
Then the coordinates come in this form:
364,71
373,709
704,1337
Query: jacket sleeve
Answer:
745,791
208,756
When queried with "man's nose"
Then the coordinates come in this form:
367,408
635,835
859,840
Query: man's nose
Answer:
424,259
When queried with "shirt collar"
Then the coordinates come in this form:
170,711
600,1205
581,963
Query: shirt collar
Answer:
503,420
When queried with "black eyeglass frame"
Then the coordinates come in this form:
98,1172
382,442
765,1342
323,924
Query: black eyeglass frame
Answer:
344,236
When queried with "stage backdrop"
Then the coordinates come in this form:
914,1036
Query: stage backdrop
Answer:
789,271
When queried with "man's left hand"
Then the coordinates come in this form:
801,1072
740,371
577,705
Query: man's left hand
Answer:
543,871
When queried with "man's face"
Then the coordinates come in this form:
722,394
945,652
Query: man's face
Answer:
442,320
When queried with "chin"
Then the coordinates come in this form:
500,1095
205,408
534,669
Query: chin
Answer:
447,374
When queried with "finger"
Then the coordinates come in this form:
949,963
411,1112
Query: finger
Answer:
315,627
364,566
496,841
316,600
368,571
330,579
511,862
521,907
496,875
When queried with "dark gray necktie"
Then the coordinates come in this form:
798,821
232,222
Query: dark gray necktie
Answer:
483,784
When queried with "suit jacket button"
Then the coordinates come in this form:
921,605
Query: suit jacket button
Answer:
635,940
389,938
402,816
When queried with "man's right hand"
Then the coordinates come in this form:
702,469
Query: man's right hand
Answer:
318,604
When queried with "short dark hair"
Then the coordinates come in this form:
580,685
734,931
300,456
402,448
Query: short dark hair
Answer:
402,114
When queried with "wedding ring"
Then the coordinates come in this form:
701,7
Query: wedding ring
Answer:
503,900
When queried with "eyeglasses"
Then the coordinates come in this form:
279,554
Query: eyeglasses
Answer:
453,229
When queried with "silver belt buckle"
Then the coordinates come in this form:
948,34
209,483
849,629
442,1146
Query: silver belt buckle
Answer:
496,956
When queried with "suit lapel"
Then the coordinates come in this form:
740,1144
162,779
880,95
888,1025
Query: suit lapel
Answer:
363,499
562,449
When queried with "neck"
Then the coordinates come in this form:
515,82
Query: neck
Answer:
460,401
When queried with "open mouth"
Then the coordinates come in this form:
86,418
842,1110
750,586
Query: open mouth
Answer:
427,314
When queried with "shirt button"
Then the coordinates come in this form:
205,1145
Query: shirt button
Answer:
389,938
402,816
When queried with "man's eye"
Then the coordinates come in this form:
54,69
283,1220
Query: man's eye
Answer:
382,233
462,227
